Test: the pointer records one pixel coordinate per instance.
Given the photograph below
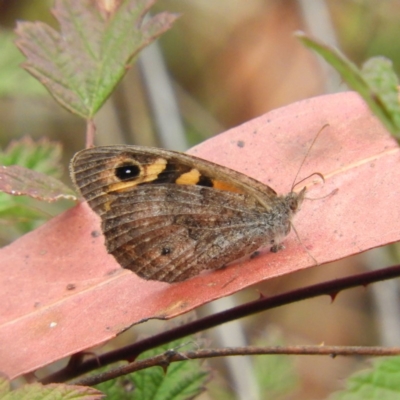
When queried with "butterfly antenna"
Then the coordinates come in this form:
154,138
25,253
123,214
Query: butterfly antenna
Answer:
304,160
309,176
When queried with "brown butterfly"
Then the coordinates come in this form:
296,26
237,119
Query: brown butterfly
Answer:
168,216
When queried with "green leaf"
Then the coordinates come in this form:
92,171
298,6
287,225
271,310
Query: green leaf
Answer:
379,74
20,214
182,380
376,82
381,382
37,391
81,65
42,156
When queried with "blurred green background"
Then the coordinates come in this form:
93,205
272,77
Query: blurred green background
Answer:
226,61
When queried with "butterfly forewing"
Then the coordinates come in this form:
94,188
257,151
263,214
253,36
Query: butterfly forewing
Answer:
168,216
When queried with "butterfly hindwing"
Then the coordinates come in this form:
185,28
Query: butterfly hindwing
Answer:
168,216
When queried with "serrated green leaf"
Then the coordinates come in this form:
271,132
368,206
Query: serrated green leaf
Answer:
376,83
182,380
20,214
37,391
42,156
81,65
381,382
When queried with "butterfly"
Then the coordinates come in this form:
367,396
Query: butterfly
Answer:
168,216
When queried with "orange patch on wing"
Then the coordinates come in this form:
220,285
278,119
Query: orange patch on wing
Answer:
226,186
152,170
120,187
189,178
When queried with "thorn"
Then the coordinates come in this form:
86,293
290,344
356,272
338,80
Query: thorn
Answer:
261,295
333,296
165,368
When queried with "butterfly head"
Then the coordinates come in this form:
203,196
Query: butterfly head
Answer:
294,200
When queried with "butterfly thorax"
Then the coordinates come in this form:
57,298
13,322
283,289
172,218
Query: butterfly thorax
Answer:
284,209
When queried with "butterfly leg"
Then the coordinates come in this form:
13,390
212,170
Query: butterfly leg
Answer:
276,247
255,254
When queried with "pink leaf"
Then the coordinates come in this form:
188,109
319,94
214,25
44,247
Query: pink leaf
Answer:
59,286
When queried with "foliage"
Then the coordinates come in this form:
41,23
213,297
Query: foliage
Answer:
380,382
20,214
376,82
37,391
81,65
179,381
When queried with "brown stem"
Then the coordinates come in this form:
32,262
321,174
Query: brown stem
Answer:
163,360
331,288
90,133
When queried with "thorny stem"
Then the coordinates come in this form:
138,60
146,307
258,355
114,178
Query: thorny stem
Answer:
163,360
331,288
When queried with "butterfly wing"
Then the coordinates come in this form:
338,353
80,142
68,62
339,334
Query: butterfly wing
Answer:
168,216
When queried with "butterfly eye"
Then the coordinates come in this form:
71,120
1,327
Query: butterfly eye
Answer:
127,172
293,204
